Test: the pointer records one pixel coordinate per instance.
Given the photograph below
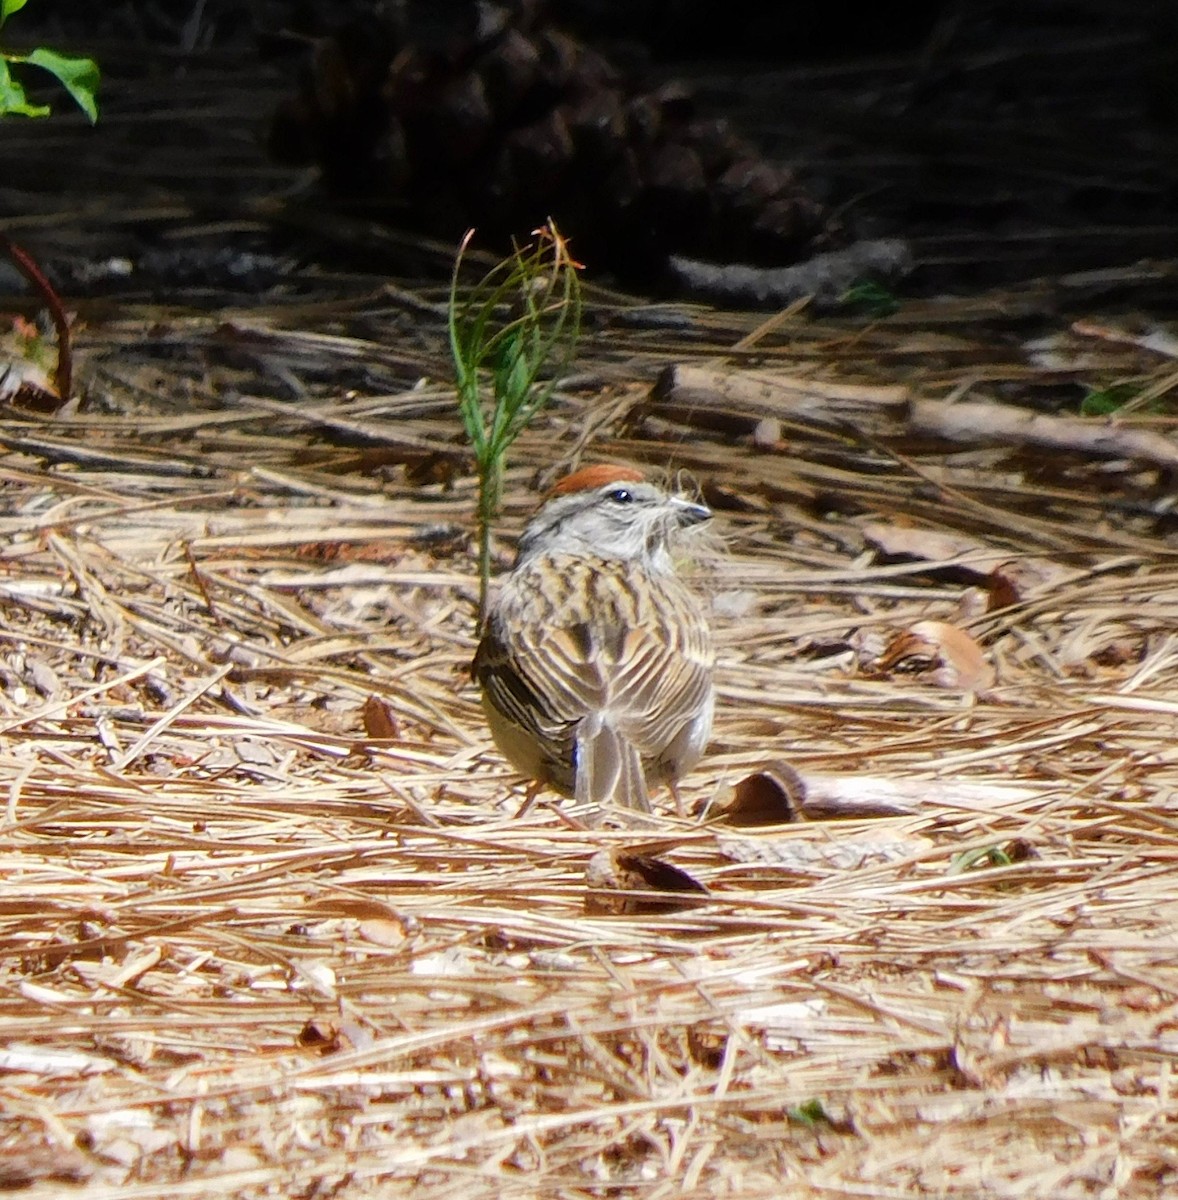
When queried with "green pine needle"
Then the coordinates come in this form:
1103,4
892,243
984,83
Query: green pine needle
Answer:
512,338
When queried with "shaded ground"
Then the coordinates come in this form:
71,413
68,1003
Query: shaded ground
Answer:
245,946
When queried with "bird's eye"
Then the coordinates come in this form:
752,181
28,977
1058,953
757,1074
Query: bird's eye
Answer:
620,496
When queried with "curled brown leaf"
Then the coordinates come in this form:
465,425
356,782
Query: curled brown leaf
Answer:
947,655
621,883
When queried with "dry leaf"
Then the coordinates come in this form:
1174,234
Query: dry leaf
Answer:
44,677
772,796
1012,582
318,976
706,1043
1007,580
379,719
624,883
257,753
933,546
118,975
320,1036
948,656
829,796
1021,850
1003,591
786,1023
380,931
453,962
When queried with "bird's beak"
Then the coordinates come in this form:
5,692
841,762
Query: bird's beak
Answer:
687,512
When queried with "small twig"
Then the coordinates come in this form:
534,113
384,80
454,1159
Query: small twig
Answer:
210,681
90,458
199,580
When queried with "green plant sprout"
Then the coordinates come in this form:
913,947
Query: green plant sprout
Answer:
79,76
980,858
512,337
871,297
1101,402
1128,398
809,1112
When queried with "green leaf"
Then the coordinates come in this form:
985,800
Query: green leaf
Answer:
873,297
809,1112
79,77
12,97
1102,401
1099,404
8,7
980,858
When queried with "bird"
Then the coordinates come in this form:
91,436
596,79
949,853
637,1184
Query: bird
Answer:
595,661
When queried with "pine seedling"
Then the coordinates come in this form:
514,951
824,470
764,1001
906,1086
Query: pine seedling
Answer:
512,337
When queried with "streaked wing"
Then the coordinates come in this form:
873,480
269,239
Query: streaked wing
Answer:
586,640
507,686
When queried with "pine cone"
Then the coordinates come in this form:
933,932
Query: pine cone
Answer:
518,122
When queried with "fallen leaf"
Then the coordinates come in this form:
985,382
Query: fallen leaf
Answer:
1021,850
382,932
318,976
257,753
622,883
320,1036
379,719
706,1043
772,796
933,546
1006,580
118,975
1003,592
33,1059
858,794
44,678
1014,581
948,656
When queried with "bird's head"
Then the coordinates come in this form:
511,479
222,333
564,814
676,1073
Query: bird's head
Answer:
613,512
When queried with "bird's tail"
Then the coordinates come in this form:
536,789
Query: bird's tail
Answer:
609,771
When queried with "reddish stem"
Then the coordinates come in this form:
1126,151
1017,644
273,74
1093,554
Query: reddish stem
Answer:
27,266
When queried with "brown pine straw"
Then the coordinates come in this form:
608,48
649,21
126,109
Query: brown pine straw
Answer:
248,949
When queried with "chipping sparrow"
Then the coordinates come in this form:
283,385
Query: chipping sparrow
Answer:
596,661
